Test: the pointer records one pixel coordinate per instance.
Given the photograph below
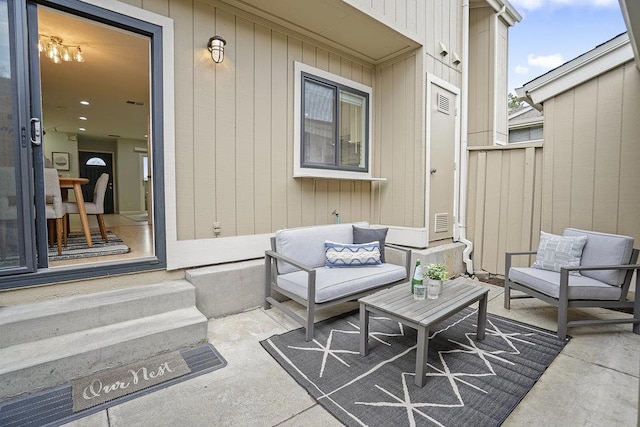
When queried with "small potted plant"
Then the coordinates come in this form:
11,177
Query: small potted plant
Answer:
436,273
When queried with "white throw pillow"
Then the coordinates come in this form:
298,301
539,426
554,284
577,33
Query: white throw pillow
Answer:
559,251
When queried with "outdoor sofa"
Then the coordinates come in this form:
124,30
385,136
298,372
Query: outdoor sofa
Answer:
299,266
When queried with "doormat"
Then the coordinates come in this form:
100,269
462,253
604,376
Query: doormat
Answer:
468,382
77,247
54,407
117,382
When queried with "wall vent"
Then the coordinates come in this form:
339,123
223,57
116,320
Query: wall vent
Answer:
139,104
443,104
441,221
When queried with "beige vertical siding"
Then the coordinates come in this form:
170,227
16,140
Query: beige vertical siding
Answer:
504,202
401,15
234,128
592,155
481,42
586,176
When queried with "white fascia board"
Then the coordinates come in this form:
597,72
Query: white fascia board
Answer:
506,10
593,63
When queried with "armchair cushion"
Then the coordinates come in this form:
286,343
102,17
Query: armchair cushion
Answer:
366,235
555,251
352,255
333,283
580,287
604,249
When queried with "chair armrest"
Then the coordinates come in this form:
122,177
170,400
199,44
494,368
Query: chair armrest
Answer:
301,266
602,267
522,253
407,256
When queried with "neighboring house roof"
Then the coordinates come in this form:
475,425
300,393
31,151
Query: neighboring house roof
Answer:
525,117
599,60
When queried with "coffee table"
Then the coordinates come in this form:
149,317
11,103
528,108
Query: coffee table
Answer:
397,303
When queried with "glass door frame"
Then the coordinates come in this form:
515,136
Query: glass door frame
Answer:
24,17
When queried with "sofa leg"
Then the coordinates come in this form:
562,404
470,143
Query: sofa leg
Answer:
562,321
507,294
636,305
310,319
267,283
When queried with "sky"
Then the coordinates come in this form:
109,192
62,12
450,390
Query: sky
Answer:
553,32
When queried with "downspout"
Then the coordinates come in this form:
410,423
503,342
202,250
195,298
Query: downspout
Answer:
464,154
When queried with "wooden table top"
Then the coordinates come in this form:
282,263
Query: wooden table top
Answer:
398,301
69,181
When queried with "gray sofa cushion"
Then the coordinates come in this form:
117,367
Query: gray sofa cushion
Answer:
306,244
333,283
604,249
548,282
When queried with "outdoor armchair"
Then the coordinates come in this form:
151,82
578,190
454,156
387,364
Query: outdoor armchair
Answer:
601,277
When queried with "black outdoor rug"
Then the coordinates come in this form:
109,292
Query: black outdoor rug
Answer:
58,406
469,382
77,247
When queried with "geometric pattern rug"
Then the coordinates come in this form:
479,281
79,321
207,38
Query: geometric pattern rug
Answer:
77,247
468,382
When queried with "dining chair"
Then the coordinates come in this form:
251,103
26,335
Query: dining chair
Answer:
95,207
55,208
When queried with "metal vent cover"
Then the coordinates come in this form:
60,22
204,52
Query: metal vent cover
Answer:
441,222
444,104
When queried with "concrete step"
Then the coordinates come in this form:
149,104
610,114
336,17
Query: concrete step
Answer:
32,322
74,352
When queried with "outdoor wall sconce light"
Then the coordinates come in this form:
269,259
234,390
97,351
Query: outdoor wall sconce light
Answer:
216,47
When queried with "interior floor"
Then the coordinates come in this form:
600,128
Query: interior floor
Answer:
138,235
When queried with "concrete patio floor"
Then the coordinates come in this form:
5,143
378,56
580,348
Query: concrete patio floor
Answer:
593,382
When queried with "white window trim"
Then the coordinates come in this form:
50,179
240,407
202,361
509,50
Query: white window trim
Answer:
306,172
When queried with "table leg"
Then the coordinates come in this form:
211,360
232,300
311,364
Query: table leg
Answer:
364,330
422,349
482,317
82,211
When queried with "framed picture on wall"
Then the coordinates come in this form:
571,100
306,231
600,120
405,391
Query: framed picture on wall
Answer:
60,161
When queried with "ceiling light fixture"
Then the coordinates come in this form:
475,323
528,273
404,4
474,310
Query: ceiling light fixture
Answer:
216,47
82,129
82,118
84,102
54,48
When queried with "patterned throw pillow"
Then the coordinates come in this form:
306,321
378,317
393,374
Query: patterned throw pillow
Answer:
352,255
559,251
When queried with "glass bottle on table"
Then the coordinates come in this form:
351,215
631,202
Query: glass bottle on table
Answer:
417,276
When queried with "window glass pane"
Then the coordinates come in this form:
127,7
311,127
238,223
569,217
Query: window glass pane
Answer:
536,132
10,236
352,129
95,161
319,124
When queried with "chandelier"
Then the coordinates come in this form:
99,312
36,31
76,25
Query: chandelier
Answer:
57,51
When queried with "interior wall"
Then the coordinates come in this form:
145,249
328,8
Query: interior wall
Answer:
128,176
62,142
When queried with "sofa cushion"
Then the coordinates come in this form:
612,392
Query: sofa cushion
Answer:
548,282
334,283
365,235
352,255
604,249
555,251
306,244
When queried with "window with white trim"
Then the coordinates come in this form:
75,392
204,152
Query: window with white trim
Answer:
333,130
